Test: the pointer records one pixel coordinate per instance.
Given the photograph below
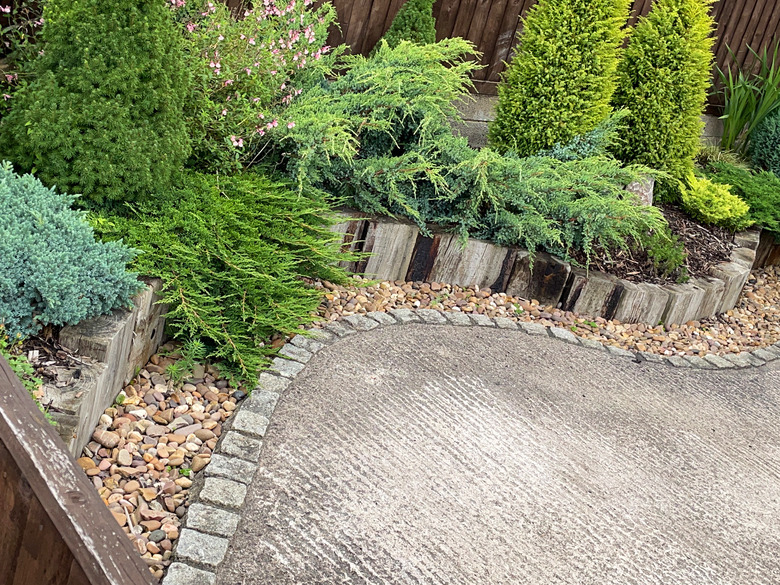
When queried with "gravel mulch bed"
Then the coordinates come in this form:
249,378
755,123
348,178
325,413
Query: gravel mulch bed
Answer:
753,323
706,247
148,446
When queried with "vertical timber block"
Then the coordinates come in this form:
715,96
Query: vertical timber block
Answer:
544,280
734,275
713,296
744,256
641,303
768,251
683,304
593,293
478,263
423,257
122,341
748,239
390,244
352,231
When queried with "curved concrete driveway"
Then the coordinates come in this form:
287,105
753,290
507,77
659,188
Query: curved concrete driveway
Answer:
445,455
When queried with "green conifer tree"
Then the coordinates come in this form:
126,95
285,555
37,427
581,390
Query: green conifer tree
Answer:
104,115
414,23
560,82
663,79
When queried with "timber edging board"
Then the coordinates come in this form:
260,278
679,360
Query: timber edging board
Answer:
400,252
54,528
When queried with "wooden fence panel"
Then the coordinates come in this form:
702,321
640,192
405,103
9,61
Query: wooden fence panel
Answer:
54,528
492,25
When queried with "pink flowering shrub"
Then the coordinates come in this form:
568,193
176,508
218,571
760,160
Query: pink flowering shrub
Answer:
248,70
17,43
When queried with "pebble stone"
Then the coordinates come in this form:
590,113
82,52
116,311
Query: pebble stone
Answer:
151,443
754,323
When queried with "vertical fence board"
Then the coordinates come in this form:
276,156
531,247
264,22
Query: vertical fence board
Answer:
44,557
15,496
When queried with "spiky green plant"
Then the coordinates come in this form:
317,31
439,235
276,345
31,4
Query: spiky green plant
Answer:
104,115
560,82
414,23
663,79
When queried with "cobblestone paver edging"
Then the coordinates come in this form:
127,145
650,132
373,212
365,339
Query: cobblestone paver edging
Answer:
213,515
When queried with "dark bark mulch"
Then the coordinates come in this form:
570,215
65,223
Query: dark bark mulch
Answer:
705,246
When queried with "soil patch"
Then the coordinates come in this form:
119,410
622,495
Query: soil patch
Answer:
706,246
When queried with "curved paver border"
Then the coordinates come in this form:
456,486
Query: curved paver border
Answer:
213,515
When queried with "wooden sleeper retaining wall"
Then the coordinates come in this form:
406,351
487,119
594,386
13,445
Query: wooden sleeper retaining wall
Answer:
400,252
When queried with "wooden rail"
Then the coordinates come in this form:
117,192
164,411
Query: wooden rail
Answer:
54,528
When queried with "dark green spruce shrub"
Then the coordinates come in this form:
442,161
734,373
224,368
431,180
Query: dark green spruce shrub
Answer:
414,23
663,78
104,115
231,252
560,82
765,144
52,271
759,189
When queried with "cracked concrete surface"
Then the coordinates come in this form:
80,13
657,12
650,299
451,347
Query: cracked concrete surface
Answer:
443,455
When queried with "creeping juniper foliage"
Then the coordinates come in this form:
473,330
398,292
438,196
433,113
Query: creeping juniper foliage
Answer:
52,271
231,252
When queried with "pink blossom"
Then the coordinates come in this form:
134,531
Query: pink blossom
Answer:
220,38
6,96
239,142
228,82
191,26
7,10
291,124
224,112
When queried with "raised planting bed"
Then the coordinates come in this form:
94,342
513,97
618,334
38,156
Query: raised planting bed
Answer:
101,355
400,252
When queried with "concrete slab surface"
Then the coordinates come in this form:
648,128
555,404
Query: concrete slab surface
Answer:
446,455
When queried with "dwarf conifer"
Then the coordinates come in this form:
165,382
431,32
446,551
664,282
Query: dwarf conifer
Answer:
104,115
663,78
560,82
414,23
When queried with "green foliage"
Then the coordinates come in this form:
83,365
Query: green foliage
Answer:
760,190
52,271
765,144
248,70
104,114
414,23
194,351
379,137
714,204
11,351
597,142
18,44
231,252
667,254
749,98
561,80
663,79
